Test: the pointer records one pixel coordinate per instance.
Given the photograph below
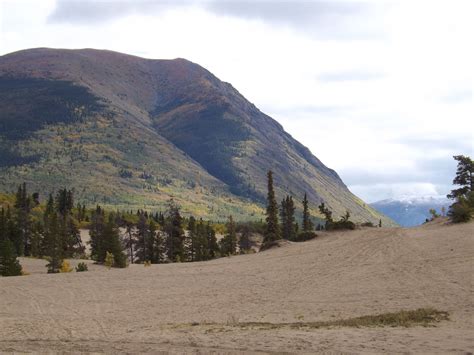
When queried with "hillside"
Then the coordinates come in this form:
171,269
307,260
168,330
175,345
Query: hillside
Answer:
209,306
413,211
130,132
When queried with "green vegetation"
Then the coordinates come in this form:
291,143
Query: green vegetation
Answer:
289,227
463,207
343,223
272,230
424,317
9,265
82,267
139,143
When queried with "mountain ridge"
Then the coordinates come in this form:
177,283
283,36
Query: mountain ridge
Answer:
180,106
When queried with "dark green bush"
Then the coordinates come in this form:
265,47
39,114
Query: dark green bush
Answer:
304,236
81,267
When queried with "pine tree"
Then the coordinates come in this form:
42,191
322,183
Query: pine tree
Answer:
212,246
327,213
142,237
175,233
244,241
96,231
464,177
112,244
191,240
53,249
289,227
9,264
272,230
23,220
463,207
152,240
307,224
229,242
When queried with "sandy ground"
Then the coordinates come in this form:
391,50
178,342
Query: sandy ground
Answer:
338,275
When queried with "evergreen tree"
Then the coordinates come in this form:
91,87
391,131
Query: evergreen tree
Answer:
327,213
96,231
192,241
229,242
112,244
272,230
9,264
201,244
174,232
307,224
464,177
53,243
212,246
130,241
245,243
23,205
142,237
12,232
289,226
463,207
153,239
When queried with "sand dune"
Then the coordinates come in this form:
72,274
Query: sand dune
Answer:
194,307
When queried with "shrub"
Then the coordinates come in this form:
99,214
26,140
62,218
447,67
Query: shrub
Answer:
9,264
81,267
304,236
109,259
367,224
460,211
65,266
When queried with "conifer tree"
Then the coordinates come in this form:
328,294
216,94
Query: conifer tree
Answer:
142,237
463,207
96,231
53,249
212,246
272,230
229,242
9,264
287,214
112,244
152,241
244,241
307,224
23,220
192,240
464,177
175,233
69,232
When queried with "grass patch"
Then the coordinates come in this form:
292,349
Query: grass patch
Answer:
420,317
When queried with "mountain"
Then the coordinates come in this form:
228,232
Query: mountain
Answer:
132,132
411,211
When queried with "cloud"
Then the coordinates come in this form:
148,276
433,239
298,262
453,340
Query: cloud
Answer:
322,19
325,19
84,12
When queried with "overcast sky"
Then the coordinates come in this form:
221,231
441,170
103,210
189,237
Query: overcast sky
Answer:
381,91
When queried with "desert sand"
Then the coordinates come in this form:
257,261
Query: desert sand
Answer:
195,307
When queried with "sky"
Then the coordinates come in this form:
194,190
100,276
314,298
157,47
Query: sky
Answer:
380,91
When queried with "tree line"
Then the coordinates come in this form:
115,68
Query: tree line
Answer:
287,228
51,231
